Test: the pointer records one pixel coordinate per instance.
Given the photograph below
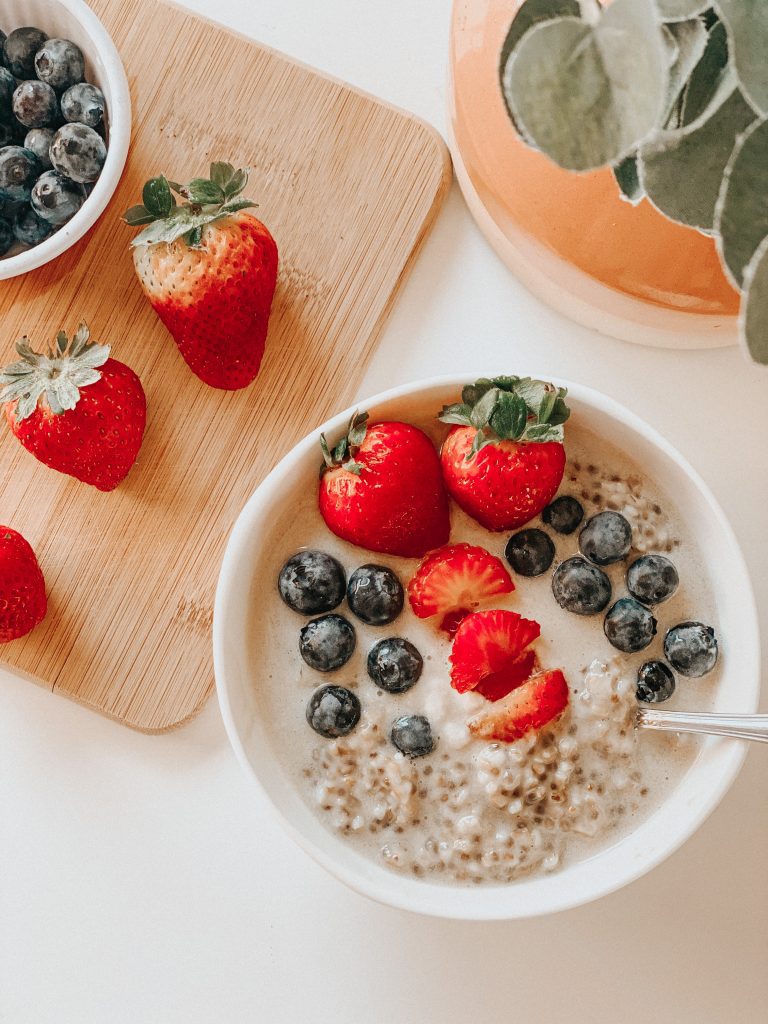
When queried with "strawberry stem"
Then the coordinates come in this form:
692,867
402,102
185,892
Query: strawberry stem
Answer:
344,450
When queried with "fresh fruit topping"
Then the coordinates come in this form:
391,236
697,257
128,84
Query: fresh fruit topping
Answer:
78,152
75,409
652,579
381,488
19,49
530,707
489,652
38,141
530,552
56,198
22,587
311,582
564,514
333,711
503,460
85,104
455,580
35,104
629,625
691,648
394,664
60,63
209,269
580,587
327,643
606,538
375,594
655,682
19,171
412,735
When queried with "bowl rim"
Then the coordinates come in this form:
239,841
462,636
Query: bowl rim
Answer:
117,153
392,889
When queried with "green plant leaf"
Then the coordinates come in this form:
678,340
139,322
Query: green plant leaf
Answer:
157,197
481,412
509,416
691,41
588,94
221,173
138,215
472,393
741,219
529,14
682,171
747,24
201,190
628,180
458,413
681,10
753,321
711,81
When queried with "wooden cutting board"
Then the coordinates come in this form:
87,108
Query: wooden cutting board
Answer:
349,186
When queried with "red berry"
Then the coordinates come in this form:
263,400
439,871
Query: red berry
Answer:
531,706
490,649
22,587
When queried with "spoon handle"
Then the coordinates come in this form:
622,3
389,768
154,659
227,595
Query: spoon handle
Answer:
743,727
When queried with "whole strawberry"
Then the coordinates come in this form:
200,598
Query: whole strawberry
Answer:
22,587
75,409
381,488
503,461
209,269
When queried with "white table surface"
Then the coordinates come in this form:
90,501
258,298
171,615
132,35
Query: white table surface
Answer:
142,879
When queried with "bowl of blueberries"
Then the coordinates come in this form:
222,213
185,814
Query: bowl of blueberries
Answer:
65,126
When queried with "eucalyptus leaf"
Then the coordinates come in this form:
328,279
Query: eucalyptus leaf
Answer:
680,10
711,81
529,14
754,306
747,24
691,40
588,94
742,210
682,171
628,179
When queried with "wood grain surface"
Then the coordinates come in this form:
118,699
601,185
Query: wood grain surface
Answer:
349,186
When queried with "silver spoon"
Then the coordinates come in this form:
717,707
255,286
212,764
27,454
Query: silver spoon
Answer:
742,727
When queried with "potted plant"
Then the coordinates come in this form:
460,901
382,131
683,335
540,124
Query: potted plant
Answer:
634,142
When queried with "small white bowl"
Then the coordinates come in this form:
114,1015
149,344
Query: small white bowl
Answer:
73,19
683,809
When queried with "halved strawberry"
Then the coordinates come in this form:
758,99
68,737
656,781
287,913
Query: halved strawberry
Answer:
531,706
452,581
490,648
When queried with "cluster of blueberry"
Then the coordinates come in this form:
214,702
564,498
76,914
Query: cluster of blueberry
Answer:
52,144
311,582
580,586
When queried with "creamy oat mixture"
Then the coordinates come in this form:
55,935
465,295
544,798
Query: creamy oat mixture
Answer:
474,811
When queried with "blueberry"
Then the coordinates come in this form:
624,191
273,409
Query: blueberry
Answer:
55,198
6,236
333,711
412,735
375,594
564,514
79,152
691,648
655,682
35,105
580,587
28,228
19,51
652,579
327,643
606,538
7,89
629,625
394,664
19,169
530,552
312,582
38,141
83,103
60,63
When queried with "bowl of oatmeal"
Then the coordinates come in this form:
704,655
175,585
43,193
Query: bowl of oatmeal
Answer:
422,776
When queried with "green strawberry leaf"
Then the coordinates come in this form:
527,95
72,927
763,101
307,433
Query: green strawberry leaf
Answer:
157,197
481,411
459,414
201,190
472,393
358,428
505,383
136,215
221,174
509,416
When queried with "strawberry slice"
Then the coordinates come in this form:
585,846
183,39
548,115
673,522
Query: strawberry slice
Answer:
491,646
454,580
531,706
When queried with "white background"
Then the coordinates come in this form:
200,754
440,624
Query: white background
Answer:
141,878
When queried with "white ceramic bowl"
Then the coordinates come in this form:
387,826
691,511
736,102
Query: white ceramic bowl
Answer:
675,818
73,19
